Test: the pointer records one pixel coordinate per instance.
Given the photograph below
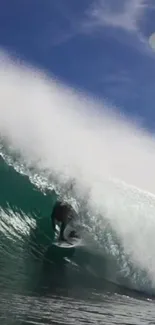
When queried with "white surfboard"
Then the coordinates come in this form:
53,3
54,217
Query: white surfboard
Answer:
71,243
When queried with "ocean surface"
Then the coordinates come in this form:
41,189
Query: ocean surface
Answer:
108,280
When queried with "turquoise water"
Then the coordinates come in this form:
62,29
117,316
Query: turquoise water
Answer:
43,284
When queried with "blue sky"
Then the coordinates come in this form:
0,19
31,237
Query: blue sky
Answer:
98,46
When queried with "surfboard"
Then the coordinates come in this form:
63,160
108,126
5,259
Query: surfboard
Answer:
71,243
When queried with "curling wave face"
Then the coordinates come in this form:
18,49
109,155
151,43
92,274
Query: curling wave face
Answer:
28,260
54,140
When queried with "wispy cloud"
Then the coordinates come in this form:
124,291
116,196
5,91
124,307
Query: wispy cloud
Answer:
124,14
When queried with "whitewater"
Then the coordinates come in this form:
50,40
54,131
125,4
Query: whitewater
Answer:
93,157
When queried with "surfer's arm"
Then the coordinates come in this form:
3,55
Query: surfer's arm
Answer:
61,236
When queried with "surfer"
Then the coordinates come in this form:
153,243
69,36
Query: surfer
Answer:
63,214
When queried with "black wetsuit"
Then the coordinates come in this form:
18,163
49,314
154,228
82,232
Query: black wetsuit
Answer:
62,213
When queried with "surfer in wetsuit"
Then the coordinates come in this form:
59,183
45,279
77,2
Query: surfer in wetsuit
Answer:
63,214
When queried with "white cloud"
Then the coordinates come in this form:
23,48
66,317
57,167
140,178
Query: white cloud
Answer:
124,14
